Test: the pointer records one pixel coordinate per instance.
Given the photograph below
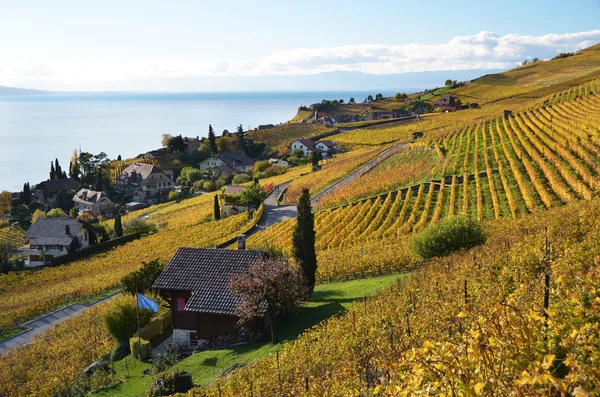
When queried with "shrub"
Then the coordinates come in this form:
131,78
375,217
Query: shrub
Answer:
141,280
177,382
156,326
139,226
209,186
174,195
448,235
241,178
121,319
134,346
164,361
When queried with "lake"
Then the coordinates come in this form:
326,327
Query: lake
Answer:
36,129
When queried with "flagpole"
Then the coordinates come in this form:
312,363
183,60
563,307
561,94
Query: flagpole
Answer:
137,309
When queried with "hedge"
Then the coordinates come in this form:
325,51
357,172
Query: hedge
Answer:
156,326
134,346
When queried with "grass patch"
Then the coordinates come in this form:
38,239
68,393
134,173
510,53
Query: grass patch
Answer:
327,300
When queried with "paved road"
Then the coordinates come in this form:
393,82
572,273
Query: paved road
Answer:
272,212
41,324
368,166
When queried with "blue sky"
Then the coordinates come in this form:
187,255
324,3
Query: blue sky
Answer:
83,44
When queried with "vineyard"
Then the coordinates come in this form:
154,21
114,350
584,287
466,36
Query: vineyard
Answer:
26,294
332,171
11,237
504,168
472,324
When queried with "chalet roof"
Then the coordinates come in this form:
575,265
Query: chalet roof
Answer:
233,189
206,273
329,143
88,196
58,185
446,100
235,159
226,168
309,143
141,169
52,231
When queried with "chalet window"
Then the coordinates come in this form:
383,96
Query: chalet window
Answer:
181,304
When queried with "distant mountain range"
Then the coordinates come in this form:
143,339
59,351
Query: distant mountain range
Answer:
4,90
332,81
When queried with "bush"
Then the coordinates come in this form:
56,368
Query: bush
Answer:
166,360
209,186
178,382
134,346
121,350
139,226
174,195
241,178
448,235
121,319
141,280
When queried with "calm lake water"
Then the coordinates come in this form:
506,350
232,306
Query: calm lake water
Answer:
36,129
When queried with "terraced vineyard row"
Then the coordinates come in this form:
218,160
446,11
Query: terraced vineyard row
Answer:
538,159
11,237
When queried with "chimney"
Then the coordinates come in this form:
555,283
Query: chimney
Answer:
241,239
67,230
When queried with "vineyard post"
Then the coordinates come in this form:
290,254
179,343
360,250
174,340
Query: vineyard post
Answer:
407,325
466,293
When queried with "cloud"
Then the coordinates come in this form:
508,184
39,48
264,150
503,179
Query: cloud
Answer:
484,50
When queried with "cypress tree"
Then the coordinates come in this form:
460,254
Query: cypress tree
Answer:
118,228
241,136
52,171
57,169
26,196
304,239
119,158
212,140
217,209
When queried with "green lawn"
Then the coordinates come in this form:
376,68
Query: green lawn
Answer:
327,300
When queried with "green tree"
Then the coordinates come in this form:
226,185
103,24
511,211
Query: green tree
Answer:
52,171
378,97
225,145
370,98
352,101
448,83
176,144
212,140
401,96
56,213
253,195
26,194
241,139
118,227
141,280
121,319
304,239
315,158
119,158
58,169
217,209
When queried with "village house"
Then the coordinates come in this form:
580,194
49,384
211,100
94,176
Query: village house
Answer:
48,238
47,192
192,144
153,154
308,146
265,127
326,146
279,162
197,280
447,103
232,204
147,182
228,163
96,203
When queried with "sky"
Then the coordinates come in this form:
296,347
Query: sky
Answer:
84,45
